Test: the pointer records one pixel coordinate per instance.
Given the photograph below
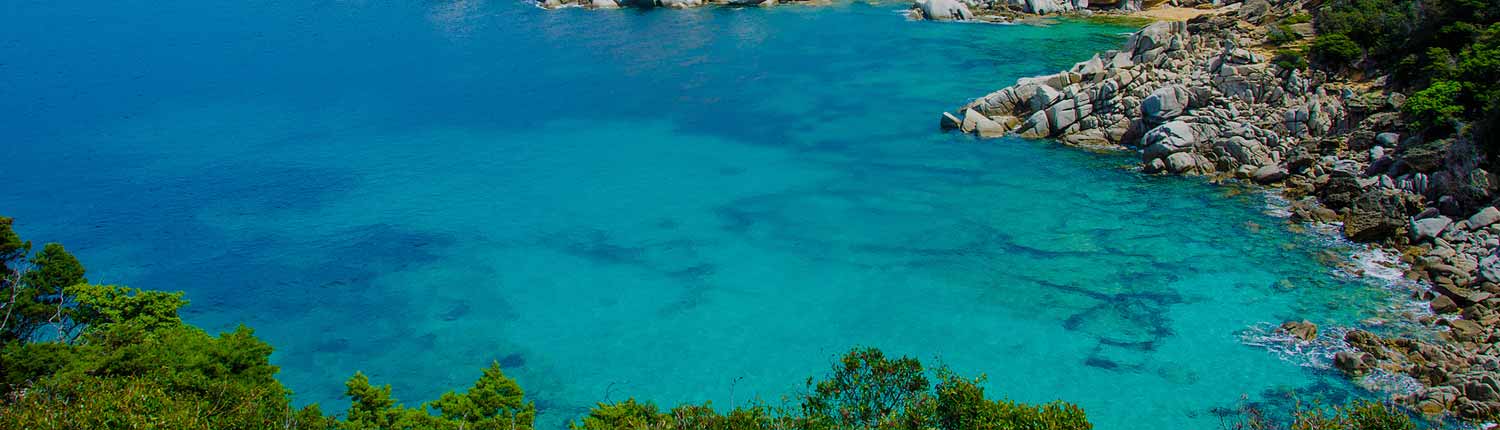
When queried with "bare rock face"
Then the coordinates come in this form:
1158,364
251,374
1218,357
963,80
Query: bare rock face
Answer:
1166,92
1168,139
1443,305
1428,228
1268,174
1045,7
1484,218
1166,103
1378,214
679,4
1340,189
1254,11
943,10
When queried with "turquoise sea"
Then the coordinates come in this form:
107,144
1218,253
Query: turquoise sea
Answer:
681,206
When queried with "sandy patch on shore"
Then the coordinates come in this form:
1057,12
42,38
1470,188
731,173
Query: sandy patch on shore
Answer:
1170,13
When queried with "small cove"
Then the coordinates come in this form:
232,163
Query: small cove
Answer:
679,206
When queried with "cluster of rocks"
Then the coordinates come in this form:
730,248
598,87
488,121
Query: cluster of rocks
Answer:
1187,94
941,10
1461,260
647,4
1197,98
1005,10
1458,373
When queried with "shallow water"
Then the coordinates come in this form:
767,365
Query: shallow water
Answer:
674,205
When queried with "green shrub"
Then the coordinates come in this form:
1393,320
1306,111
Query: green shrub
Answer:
866,389
1297,18
1377,25
1376,416
1478,71
1336,49
1357,415
1435,106
1281,34
961,404
1290,59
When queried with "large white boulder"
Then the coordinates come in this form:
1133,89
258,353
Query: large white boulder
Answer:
1166,103
1168,139
944,10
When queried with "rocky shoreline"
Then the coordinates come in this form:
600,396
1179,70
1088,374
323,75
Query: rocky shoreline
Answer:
939,10
1201,97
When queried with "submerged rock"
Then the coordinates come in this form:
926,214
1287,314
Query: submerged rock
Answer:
1353,363
1304,329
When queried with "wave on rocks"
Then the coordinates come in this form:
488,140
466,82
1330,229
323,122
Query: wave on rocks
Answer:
1369,265
1318,354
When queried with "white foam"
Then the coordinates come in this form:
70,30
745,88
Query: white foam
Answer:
1318,353
1277,205
1367,264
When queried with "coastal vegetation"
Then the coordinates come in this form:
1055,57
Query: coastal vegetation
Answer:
1445,53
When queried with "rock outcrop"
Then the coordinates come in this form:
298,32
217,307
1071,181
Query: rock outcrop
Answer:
1193,98
648,4
943,10
1185,95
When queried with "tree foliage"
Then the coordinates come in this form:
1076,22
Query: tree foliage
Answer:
1445,52
1336,49
494,402
864,390
37,296
1357,415
1437,105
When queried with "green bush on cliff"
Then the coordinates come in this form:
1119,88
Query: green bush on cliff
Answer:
38,291
1427,46
631,414
1281,34
1336,49
1436,106
864,390
1297,18
961,404
1357,415
1290,59
1375,25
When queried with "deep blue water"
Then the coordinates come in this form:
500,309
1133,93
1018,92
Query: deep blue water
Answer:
674,205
